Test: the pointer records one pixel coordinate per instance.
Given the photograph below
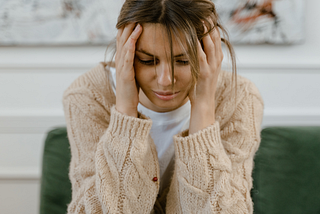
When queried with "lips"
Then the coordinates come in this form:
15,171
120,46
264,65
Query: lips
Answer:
165,95
164,92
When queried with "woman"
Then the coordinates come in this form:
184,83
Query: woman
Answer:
165,130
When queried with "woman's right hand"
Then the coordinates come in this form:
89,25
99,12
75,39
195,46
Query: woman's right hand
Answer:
127,90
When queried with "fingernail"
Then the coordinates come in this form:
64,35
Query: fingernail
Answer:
137,27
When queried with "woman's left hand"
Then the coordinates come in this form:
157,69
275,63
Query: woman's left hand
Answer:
203,99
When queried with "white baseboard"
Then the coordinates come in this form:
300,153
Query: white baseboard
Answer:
20,173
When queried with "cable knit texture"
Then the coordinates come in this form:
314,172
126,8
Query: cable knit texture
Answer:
114,159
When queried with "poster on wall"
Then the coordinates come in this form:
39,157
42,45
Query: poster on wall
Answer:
263,21
58,22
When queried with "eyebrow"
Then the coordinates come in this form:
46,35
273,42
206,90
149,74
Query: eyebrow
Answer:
149,54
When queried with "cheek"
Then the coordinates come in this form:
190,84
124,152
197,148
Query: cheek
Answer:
185,77
143,75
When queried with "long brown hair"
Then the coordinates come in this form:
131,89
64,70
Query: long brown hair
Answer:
180,17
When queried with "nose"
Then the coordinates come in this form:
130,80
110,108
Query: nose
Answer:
164,75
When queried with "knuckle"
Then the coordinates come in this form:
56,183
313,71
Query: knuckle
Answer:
133,38
129,41
128,56
202,58
130,49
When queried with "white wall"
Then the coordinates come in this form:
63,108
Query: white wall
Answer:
32,80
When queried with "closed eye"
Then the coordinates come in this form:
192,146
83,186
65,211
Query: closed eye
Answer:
183,62
147,62
152,62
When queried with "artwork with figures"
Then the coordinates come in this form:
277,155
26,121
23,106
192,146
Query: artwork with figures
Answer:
263,21
77,22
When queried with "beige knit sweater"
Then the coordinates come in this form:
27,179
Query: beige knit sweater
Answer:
114,160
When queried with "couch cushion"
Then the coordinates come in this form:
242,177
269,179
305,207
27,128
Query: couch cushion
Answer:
287,171
55,184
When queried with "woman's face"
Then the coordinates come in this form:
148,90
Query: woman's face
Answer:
155,77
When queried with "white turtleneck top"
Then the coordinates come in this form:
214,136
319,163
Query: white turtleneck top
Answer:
164,127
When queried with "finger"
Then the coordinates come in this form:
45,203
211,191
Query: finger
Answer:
126,33
201,54
126,72
135,34
130,47
120,31
125,37
209,47
216,38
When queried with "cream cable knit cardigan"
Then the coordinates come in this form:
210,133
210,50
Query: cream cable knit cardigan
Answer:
114,160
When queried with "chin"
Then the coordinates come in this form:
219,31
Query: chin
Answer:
166,105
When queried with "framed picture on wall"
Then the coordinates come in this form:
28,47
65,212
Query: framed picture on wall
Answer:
263,21
82,22
58,22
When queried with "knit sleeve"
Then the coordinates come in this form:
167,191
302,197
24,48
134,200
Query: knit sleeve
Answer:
113,162
214,166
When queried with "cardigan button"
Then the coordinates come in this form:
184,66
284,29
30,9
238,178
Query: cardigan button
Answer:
155,179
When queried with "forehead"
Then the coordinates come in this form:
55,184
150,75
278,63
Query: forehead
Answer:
154,39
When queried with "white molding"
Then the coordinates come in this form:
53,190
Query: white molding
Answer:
275,68
44,66
20,173
42,121
279,67
30,123
291,117
75,67
291,120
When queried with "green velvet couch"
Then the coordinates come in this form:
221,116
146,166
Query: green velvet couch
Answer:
285,177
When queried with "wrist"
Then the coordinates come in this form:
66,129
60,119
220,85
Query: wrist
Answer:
201,117
205,108
128,112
